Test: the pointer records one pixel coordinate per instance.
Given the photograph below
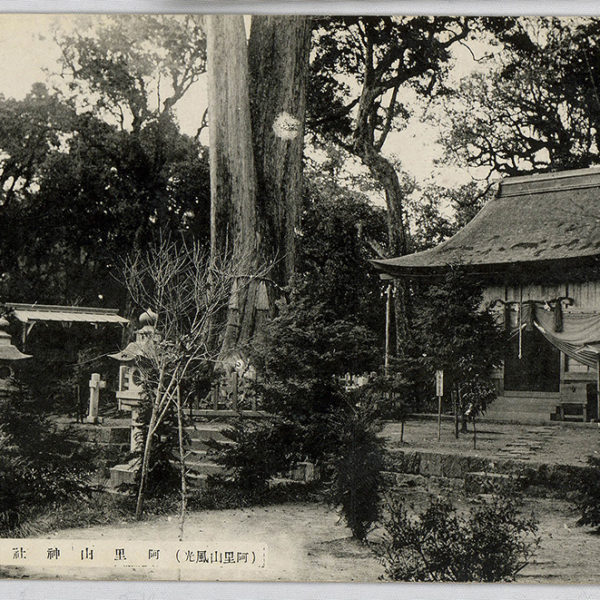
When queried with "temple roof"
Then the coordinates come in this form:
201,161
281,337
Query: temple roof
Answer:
533,219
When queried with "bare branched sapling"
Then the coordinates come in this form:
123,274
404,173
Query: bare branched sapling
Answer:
188,292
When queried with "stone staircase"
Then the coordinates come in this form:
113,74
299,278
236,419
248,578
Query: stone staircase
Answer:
199,464
523,409
198,461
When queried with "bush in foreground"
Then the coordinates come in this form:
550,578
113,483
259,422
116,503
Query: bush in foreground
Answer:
260,451
587,498
355,470
492,542
40,464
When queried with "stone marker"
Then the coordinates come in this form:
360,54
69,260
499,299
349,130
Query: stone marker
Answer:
96,384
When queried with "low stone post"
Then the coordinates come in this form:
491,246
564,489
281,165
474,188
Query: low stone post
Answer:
96,384
136,442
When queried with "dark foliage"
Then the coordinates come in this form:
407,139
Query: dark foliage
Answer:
587,498
39,463
64,360
340,231
535,109
305,352
355,469
99,167
396,395
260,449
492,542
452,332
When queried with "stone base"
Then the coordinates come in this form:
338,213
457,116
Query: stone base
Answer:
124,474
305,471
94,420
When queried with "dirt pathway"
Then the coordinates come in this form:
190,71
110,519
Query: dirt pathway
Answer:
305,542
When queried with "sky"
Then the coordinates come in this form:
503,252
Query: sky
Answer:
28,54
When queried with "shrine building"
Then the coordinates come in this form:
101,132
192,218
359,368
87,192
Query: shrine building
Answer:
535,247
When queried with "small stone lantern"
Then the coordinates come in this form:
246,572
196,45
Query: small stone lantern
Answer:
8,354
129,393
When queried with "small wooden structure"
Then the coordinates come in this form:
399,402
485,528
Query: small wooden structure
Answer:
536,250
32,314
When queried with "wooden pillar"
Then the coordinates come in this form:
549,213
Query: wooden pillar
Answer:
598,391
388,305
234,390
215,395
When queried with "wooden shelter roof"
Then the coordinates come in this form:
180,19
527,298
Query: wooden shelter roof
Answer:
30,313
533,220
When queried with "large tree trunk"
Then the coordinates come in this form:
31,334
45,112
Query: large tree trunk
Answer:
256,122
384,173
278,54
232,173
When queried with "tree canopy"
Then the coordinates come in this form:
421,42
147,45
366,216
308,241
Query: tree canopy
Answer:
99,165
537,108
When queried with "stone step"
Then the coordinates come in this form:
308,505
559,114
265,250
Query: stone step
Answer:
203,434
198,464
196,453
524,444
520,407
204,445
204,468
197,480
516,452
521,418
523,404
223,413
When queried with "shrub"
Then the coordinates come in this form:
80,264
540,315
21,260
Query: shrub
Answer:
452,333
304,352
587,498
300,360
261,449
493,542
355,469
40,464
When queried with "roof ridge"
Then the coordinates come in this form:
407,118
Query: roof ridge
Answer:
552,175
542,183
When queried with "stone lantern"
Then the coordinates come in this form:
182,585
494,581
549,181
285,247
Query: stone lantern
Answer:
129,392
8,354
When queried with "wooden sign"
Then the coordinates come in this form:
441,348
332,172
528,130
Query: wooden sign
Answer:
439,382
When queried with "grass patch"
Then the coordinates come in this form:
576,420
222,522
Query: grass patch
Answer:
100,509
221,494
111,509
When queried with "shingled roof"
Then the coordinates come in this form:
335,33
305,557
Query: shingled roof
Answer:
532,220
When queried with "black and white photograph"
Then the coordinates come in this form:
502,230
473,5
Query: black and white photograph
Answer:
300,297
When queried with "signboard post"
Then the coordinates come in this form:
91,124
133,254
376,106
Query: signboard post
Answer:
439,392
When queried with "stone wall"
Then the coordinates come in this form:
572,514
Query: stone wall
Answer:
555,478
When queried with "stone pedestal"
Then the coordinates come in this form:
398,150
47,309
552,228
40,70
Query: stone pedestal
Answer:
124,474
